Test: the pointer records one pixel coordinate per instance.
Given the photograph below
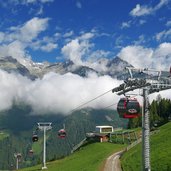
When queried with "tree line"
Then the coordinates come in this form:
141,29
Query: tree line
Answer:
160,113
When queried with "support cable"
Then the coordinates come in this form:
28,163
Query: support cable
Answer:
90,100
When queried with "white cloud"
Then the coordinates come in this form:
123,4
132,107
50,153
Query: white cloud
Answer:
164,53
68,34
40,11
119,41
32,28
26,2
62,88
98,60
34,7
141,40
57,35
141,22
46,44
76,49
80,52
49,47
30,1
142,10
45,1
140,57
161,4
12,86
15,49
126,25
78,5
168,23
98,54
163,35
86,36
56,93
28,31
16,40
136,55
2,37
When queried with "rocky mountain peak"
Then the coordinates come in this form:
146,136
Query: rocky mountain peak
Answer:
33,70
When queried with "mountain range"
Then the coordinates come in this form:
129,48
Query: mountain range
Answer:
32,70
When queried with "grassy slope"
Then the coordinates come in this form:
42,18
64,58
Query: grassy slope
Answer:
160,145
37,146
3,135
88,158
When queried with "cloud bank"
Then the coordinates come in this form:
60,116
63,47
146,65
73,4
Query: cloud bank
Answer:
56,93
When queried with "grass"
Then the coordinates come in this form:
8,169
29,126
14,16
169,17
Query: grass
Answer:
88,158
37,146
3,135
127,134
160,151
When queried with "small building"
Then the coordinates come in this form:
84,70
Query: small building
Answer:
101,134
104,129
102,137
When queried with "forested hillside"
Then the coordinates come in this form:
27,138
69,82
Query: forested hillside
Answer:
19,123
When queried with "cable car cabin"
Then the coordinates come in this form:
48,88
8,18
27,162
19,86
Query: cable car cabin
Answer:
62,133
35,138
19,156
128,108
31,152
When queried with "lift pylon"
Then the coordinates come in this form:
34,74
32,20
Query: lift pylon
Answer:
150,84
44,126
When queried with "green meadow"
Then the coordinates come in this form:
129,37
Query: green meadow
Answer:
160,151
89,158
3,135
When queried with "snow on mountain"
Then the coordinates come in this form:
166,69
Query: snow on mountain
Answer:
112,67
11,64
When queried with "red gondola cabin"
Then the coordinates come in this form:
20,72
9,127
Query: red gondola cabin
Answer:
31,152
128,108
62,133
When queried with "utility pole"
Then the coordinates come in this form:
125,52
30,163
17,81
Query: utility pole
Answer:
44,126
149,86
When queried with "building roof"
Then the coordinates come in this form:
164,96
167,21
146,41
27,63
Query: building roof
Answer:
104,126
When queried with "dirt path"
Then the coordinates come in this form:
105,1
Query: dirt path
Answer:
113,162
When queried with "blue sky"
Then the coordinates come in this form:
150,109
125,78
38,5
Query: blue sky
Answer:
55,30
